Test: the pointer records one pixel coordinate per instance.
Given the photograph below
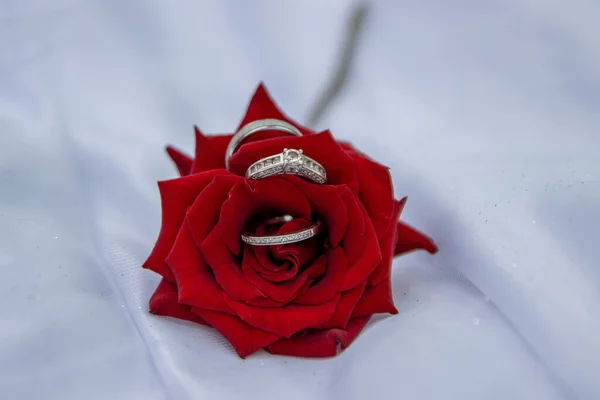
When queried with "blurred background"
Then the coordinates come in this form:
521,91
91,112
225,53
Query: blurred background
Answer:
486,111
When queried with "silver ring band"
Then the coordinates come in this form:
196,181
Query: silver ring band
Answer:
291,161
273,240
255,127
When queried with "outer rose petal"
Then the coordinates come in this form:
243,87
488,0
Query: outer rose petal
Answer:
376,196
176,196
341,169
355,239
266,302
373,178
345,309
319,343
283,321
368,261
182,161
376,300
248,199
410,239
164,302
210,152
262,106
350,149
195,282
244,338
203,215
387,248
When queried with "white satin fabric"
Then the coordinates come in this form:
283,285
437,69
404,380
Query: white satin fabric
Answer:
485,110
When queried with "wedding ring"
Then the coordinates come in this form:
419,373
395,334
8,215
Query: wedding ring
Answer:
255,127
292,237
291,161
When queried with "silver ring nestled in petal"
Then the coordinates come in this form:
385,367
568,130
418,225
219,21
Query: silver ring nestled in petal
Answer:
274,240
291,161
253,127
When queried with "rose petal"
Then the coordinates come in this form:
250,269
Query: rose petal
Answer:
328,204
355,239
322,147
380,172
410,239
182,161
281,292
262,106
176,196
283,321
300,253
195,281
373,178
210,151
248,199
319,343
314,270
330,284
368,261
387,248
318,267
164,302
266,302
279,263
203,215
350,149
244,338
267,266
345,308
269,270
376,197
272,272
227,271
375,300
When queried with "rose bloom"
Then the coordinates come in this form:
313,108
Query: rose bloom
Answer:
303,299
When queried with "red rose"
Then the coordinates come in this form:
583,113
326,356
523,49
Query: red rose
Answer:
299,299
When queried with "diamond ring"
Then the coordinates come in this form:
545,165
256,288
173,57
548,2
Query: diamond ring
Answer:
292,237
255,127
291,161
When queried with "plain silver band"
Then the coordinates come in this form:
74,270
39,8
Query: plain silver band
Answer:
255,127
274,240
279,164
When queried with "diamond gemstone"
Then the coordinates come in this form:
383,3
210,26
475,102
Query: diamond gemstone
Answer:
292,155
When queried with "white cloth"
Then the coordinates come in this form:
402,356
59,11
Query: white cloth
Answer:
486,111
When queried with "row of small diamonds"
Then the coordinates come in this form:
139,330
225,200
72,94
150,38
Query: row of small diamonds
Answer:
312,175
265,163
278,239
272,170
313,165
303,171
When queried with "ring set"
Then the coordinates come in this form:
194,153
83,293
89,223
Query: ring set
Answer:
271,240
290,161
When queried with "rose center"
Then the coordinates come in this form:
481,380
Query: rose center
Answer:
284,261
